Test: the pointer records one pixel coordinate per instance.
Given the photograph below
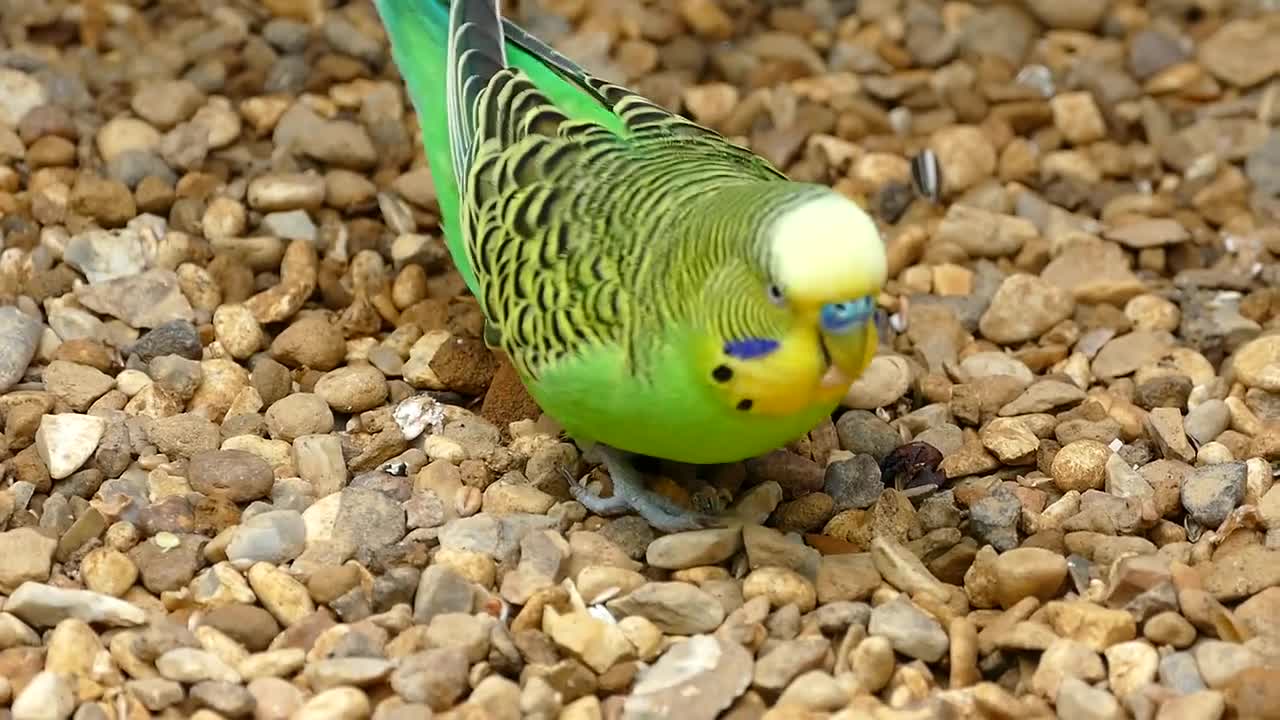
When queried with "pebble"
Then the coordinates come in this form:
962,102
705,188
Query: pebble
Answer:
47,696
340,703
1024,308
775,670
909,629
680,551
23,334
677,608
1239,53
1075,699
352,389
1220,661
994,520
1028,572
965,154
20,93
1211,492
1080,466
235,475
281,595
299,414
146,300
886,380
861,431
286,191
176,337
1131,666
1257,363
238,366
108,571
26,554
45,606
238,330
854,483
275,536
699,678
599,644
103,255
66,440
191,665
125,134
311,342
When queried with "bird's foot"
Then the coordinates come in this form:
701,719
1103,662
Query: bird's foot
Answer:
629,493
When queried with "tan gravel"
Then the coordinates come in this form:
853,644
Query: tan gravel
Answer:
257,461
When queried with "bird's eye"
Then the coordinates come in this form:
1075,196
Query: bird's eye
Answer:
842,317
775,294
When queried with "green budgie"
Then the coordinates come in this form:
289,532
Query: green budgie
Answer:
659,290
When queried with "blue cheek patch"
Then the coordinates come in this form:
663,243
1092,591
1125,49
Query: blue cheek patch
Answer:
840,318
750,348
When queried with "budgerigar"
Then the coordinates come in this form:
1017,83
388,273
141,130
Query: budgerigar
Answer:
659,290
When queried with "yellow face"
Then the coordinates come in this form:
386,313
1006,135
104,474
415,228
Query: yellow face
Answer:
828,265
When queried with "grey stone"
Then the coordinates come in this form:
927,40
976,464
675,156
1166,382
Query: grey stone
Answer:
22,336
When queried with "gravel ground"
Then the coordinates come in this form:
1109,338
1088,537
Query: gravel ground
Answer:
257,461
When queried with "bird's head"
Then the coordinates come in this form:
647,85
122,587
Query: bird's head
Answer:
792,317
825,265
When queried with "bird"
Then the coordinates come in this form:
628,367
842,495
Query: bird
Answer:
659,290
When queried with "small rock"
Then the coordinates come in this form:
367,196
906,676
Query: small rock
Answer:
45,606
22,334
435,677
1131,666
1207,421
599,644
178,337
1080,466
696,679
1024,308
853,484
1075,699
861,431
309,341
26,554
1257,363
679,551
20,93
1211,492
276,536
299,414
236,475
1076,114
782,586
1028,572
886,380
190,665
47,696
965,155
910,630
994,520
66,440
1219,661
353,389
675,607
776,669
146,300
1240,52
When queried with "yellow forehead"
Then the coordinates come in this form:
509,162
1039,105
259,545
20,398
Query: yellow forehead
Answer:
827,250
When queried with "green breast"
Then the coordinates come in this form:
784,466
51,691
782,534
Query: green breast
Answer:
673,414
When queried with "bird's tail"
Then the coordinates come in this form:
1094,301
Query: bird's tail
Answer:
446,55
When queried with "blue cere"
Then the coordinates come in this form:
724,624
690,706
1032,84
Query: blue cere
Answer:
750,348
841,317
